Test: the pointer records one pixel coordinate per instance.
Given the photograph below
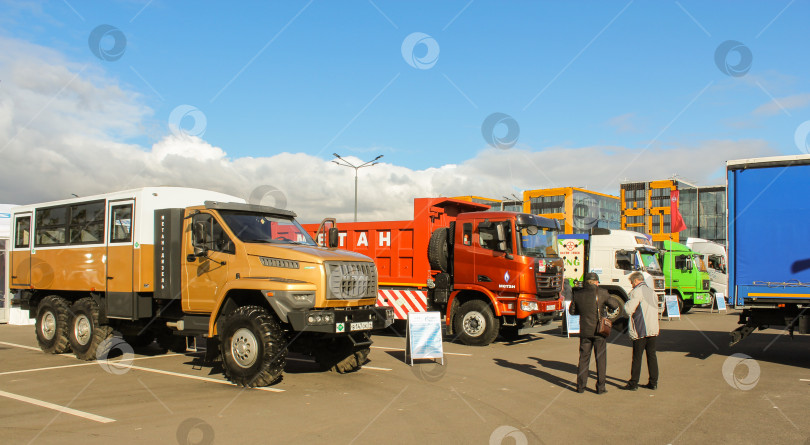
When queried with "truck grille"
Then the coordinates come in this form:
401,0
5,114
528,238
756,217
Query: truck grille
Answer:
548,284
707,284
351,280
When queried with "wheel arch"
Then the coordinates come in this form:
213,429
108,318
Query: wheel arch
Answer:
234,299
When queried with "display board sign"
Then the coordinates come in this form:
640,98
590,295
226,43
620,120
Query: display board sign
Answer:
571,321
673,311
720,300
424,336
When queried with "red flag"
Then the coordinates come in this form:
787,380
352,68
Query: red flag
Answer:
675,215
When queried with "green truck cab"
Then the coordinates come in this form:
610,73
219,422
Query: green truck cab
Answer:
685,275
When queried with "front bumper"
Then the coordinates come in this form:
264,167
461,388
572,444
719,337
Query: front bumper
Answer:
701,298
539,323
341,321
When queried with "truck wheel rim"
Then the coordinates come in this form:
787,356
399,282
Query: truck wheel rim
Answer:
244,348
473,323
81,329
48,327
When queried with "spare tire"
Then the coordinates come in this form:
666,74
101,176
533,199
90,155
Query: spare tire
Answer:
438,250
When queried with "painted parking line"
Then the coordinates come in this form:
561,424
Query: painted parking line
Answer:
373,368
402,349
55,407
804,380
20,346
192,377
97,362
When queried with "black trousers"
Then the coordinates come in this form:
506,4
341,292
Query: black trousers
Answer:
639,347
586,344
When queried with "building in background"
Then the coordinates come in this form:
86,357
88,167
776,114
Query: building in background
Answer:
645,208
507,205
578,210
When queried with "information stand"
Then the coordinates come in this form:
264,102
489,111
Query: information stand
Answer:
571,321
720,301
424,337
673,311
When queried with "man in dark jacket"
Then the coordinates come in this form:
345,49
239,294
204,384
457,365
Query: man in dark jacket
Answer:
589,303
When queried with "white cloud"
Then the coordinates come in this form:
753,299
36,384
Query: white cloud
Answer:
782,104
61,125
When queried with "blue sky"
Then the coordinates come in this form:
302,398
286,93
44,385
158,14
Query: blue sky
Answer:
300,77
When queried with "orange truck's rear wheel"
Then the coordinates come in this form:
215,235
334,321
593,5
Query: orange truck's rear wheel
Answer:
86,333
53,316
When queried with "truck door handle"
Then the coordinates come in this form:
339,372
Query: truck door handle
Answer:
484,279
615,280
14,276
110,278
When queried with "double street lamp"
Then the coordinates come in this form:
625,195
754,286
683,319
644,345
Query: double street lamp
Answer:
346,163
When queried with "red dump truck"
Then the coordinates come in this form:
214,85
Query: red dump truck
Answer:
486,272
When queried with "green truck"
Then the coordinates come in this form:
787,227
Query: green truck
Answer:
685,275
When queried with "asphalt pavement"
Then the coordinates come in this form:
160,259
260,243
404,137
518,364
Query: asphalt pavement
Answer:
520,392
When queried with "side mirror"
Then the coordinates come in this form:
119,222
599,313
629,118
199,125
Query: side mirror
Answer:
501,241
333,237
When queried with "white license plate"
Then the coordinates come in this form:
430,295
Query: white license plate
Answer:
361,326
551,307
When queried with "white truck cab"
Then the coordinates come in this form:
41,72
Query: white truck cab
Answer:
716,259
613,255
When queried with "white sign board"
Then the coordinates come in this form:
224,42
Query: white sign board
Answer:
571,321
721,302
673,311
424,336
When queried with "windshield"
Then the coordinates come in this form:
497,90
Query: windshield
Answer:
701,263
262,228
540,245
650,261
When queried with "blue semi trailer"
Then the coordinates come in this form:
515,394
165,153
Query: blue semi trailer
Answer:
769,243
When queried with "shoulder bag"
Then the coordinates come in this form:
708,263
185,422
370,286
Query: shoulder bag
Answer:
603,324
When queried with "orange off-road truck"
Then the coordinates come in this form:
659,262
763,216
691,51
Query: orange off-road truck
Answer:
172,264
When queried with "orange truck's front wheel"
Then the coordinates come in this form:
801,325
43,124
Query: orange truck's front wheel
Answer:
253,347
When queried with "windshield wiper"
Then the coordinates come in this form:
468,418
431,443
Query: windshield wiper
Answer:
269,241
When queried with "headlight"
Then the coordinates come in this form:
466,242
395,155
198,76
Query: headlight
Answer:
320,318
528,306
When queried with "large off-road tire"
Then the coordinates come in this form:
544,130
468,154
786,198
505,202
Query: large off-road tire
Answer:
341,355
86,332
620,313
53,316
476,324
253,348
438,250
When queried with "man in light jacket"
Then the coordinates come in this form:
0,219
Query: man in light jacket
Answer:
642,309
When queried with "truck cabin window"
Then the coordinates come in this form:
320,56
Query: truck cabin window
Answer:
264,228
537,242
207,232
466,237
624,260
121,227
488,235
22,232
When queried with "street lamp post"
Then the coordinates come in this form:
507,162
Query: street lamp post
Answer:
356,167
